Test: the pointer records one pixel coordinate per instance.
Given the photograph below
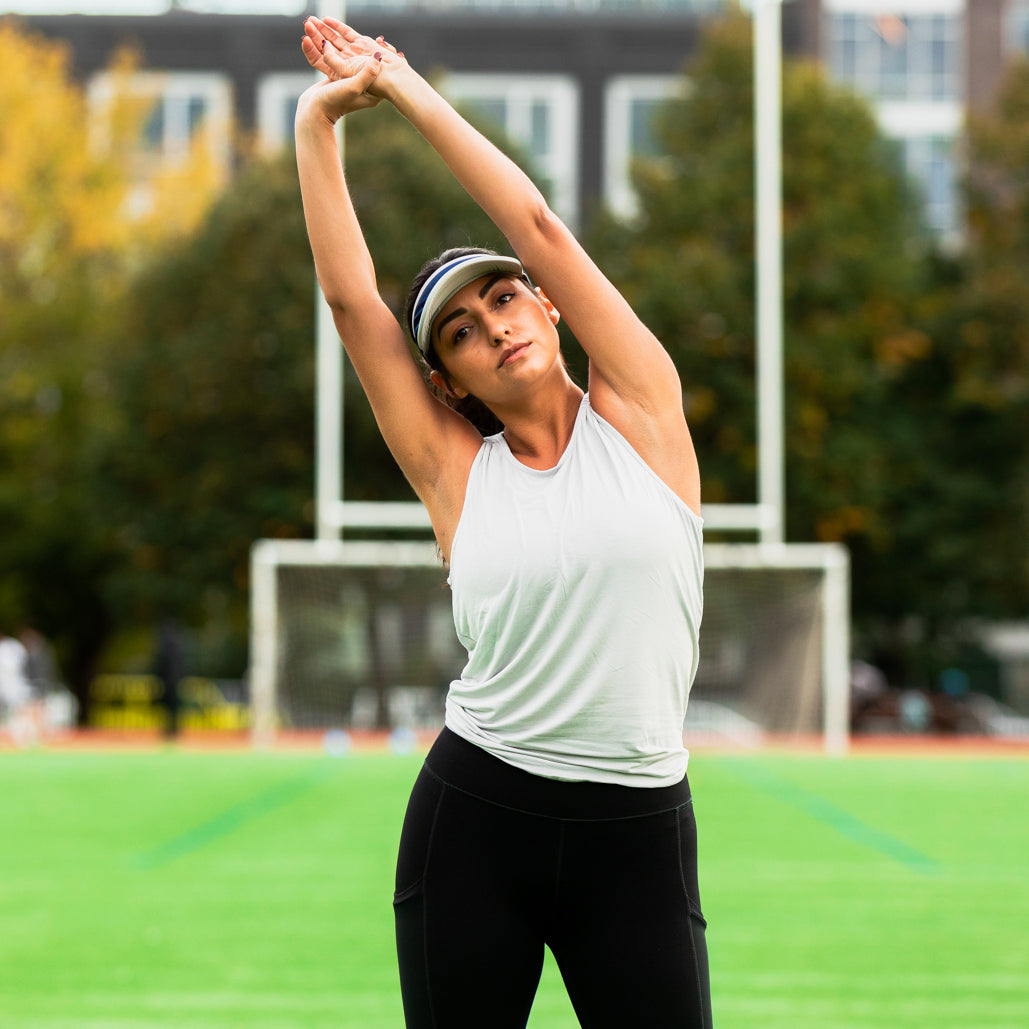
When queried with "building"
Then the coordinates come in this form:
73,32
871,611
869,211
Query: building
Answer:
925,64
574,81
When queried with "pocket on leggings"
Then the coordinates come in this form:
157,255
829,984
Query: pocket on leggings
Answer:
416,835
688,859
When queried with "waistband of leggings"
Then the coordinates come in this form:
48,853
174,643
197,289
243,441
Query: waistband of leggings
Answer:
466,767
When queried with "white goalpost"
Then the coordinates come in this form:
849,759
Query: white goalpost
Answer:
356,633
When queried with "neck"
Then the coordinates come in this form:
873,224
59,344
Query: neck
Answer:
538,434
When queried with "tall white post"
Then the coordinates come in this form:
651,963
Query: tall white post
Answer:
264,643
768,264
836,651
329,378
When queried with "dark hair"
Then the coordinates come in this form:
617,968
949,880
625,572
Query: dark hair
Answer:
470,407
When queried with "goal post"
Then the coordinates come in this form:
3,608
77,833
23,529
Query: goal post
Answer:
799,633
358,634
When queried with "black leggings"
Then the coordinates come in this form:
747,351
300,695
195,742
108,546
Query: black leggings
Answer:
495,862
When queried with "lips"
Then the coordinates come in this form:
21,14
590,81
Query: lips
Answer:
511,352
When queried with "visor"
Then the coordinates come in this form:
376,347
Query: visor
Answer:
447,280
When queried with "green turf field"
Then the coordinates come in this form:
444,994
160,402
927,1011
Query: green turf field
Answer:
185,889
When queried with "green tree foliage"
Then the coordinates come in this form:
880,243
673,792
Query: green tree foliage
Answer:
56,205
958,421
213,383
983,326
66,247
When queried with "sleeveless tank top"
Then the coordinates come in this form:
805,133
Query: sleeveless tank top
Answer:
578,593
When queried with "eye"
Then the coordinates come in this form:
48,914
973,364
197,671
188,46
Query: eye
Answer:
504,298
459,335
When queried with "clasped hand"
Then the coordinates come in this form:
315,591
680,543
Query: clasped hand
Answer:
352,65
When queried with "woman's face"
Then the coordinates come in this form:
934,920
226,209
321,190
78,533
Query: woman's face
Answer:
495,337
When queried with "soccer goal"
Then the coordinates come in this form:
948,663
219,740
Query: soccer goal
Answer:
358,634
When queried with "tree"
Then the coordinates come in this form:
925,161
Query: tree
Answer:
67,245
960,496
983,325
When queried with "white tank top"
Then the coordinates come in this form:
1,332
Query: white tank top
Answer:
578,594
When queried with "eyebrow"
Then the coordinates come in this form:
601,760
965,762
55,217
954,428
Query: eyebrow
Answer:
457,312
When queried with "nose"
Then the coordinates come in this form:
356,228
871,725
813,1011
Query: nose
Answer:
498,332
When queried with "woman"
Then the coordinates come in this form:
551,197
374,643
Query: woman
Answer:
554,808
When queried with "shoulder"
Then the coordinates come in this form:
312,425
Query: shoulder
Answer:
660,437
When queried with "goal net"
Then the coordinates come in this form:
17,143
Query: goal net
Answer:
359,635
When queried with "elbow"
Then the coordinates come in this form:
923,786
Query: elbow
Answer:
531,222
345,317
345,299
352,315
545,224
336,301
338,304
542,232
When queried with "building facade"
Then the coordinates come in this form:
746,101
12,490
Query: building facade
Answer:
924,64
573,81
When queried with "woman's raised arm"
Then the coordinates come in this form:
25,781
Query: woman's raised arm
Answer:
424,436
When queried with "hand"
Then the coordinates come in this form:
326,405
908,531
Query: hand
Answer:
346,87
328,40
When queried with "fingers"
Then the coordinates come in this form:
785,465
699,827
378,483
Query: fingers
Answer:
313,33
335,33
328,52
341,28
345,38
313,54
369,70
341,53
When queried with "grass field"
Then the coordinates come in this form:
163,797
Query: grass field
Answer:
186,888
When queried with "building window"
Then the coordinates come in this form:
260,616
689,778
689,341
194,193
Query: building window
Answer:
630,103
930,162
913,56
277,98
539,113
909,63
175,107
1018,26
927,134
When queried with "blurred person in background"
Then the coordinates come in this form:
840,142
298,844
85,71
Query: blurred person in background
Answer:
170,661
40,662
17,714
553,809
56,706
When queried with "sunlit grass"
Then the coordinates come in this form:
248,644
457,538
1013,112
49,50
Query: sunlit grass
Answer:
181,888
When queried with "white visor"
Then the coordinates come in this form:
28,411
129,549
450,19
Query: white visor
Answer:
447,280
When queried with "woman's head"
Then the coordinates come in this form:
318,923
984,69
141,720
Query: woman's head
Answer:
442,277
432,288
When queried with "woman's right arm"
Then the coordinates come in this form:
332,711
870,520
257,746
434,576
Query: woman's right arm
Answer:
433,446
